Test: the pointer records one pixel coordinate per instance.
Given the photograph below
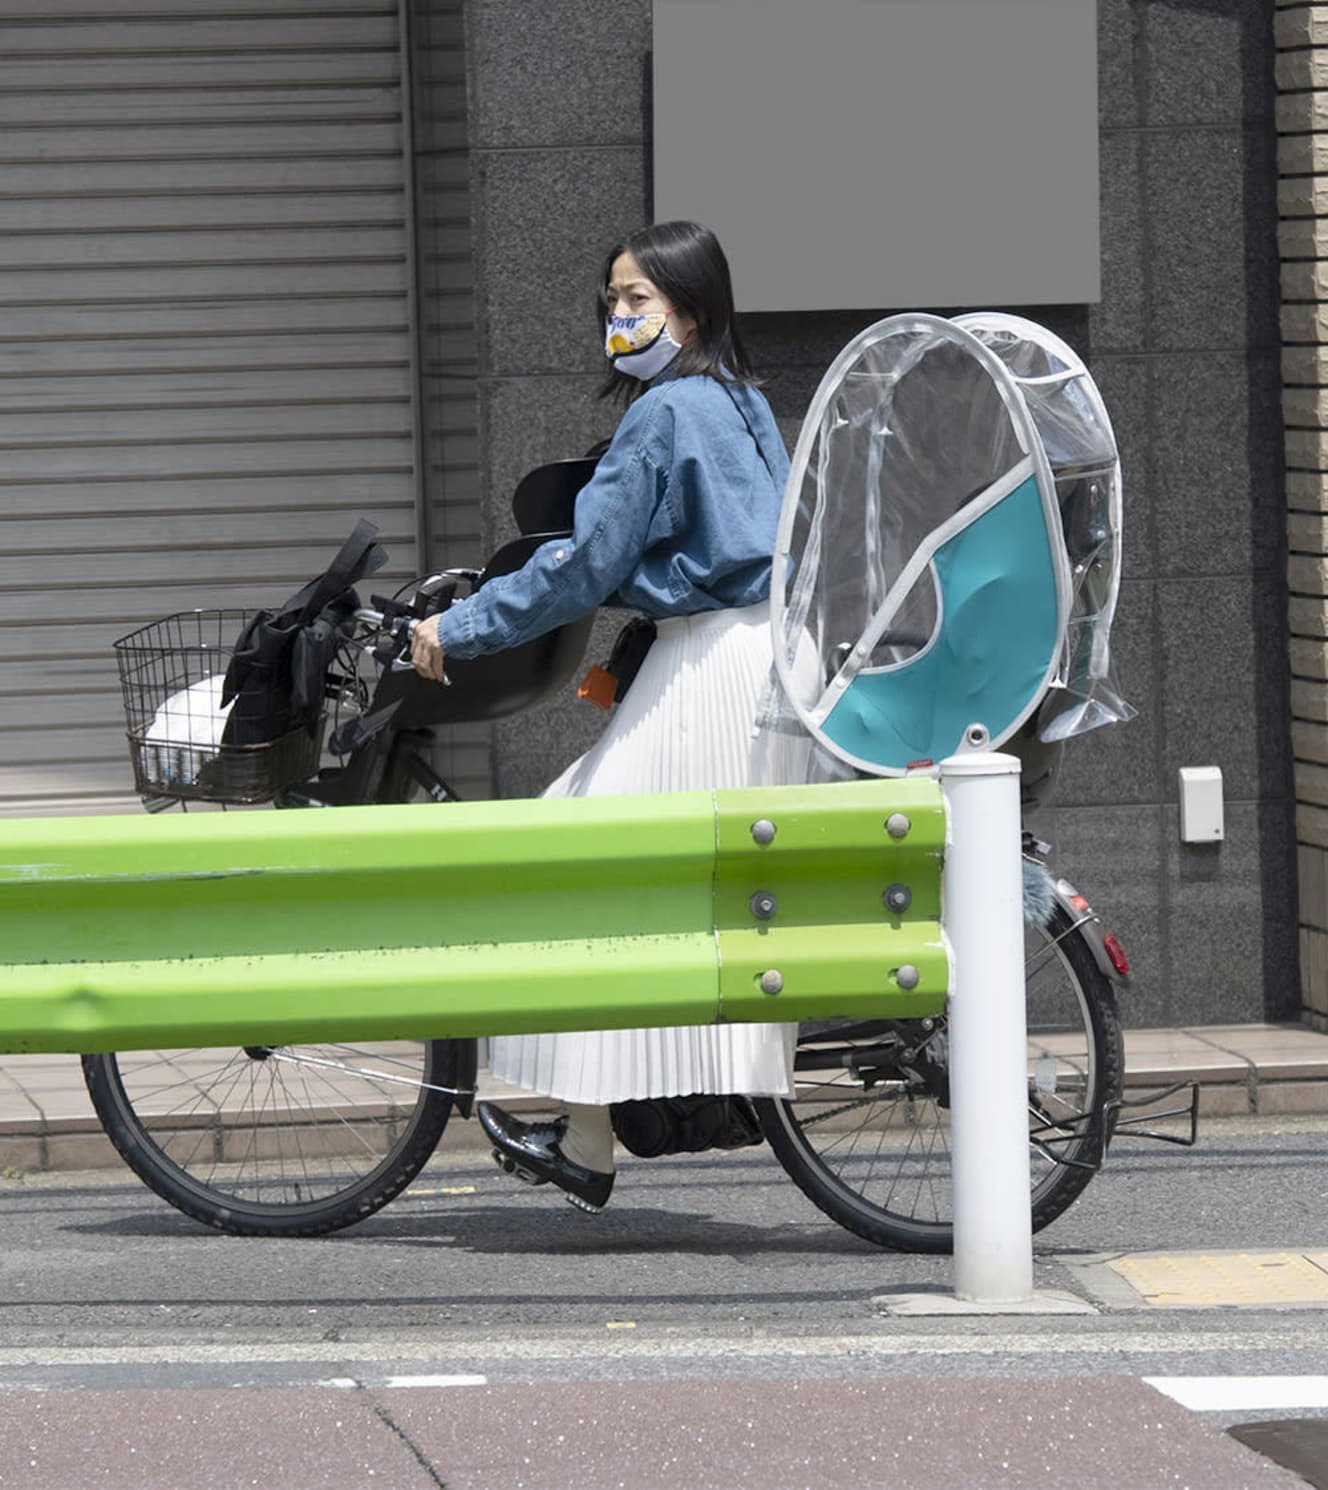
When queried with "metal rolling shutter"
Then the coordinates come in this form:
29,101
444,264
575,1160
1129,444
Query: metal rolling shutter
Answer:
206,355
448,346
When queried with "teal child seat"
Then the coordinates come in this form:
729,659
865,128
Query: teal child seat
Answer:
949,547
988,658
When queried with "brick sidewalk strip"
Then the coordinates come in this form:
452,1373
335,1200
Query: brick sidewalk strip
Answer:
47,1123
1106,1433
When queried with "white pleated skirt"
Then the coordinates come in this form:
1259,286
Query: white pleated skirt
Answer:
687,724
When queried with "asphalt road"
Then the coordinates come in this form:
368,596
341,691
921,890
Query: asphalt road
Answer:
710,1329
713,1262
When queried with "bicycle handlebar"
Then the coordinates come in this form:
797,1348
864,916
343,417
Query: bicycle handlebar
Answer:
386,641
390,625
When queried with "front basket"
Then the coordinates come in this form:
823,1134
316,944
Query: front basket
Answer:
171,675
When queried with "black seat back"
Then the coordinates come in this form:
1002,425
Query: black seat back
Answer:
545,497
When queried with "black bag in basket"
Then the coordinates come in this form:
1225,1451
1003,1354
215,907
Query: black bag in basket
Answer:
277,670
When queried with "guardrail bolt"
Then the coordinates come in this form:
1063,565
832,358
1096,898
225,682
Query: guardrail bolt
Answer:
763,905
898,898
897,825
763,830
772,980
907,976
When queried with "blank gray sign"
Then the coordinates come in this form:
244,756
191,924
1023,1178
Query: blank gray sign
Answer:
884,153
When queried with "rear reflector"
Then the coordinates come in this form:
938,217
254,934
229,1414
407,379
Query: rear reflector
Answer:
1117,954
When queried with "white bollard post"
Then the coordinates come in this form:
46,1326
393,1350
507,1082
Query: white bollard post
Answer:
982,911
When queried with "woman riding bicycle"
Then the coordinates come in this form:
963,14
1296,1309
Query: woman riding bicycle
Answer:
677,523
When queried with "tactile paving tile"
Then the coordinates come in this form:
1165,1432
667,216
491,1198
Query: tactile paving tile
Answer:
1204,1279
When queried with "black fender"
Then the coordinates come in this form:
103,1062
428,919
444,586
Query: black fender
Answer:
1085,919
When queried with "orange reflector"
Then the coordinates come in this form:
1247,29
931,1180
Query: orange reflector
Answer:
1117,954
598,687
1079,903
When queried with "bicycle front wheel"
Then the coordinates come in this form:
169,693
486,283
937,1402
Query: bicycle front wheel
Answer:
279,1140
867,1136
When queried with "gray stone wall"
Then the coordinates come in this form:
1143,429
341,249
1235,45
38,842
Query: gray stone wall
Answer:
1184,343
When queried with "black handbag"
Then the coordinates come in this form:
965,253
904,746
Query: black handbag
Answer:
654,1126
275,680
629,651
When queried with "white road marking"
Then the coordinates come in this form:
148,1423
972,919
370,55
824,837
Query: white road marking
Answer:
1243,1393
436,1381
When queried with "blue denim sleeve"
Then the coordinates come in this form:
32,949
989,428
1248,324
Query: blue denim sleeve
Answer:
567,577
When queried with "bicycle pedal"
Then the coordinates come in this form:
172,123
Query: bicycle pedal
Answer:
527,1176
517,1171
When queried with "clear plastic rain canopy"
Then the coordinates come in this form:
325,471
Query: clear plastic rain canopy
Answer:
950,546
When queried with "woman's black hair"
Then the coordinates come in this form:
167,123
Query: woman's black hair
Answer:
684,261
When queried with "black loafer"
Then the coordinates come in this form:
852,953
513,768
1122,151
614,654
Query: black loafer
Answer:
531,1152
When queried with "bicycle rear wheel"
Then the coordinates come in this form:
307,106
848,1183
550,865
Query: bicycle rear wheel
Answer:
279,1141
867,1138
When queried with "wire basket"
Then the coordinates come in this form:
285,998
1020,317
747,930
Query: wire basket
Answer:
171,676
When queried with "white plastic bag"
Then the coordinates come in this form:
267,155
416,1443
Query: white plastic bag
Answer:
185,733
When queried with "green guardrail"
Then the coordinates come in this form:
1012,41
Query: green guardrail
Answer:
120,933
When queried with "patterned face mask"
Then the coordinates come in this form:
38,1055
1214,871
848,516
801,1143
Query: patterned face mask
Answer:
639,346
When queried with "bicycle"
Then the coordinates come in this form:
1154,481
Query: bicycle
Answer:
301,1141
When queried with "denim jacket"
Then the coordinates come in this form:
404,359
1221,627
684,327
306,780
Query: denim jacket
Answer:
679,517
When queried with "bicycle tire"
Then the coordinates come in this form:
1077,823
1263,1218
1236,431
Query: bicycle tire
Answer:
897,1194
226,1138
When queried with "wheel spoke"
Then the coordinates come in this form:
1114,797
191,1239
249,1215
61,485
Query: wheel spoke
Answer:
874,1151
298,1139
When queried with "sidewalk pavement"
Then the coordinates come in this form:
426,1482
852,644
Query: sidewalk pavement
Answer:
926,1433
47,1122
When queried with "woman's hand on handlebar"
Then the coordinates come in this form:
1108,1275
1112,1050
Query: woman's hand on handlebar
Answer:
425,653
